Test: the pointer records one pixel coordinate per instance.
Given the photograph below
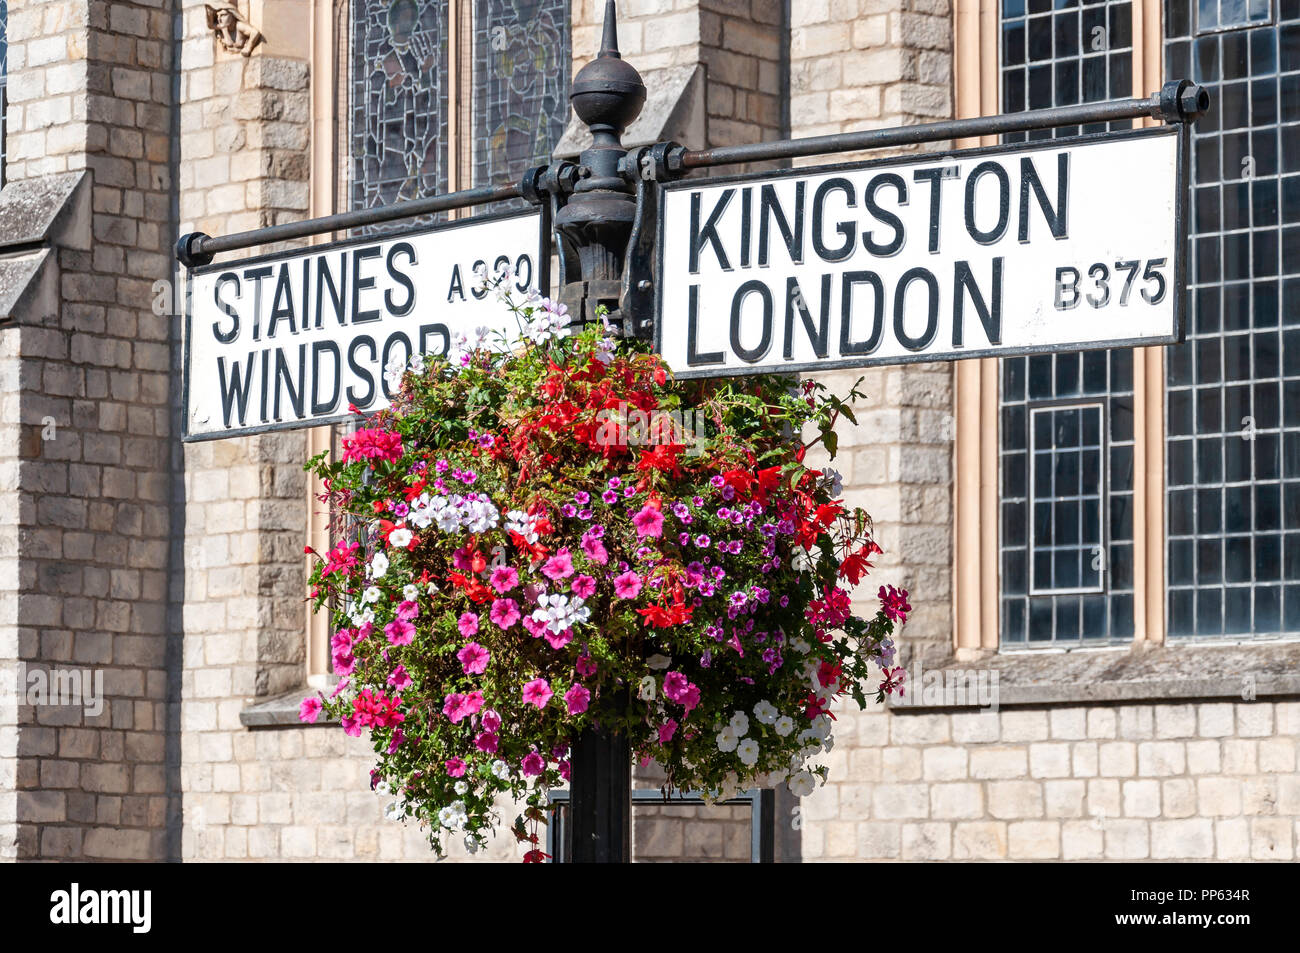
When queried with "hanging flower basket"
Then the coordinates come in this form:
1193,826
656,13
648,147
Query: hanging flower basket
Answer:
539,538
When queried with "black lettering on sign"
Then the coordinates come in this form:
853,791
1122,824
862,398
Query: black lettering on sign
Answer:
360,284
817,335
837,184
693,356
305,312
457,285
319,407
769,211
234,389
427,331
746,225
884,217
709,233
282,303
362,340
1057,217
755,354
226,278
990,315
388,350
851,280
338,291
478,293
935,177
525,280
256,275
994,234
285,378
931,283
265,366
402,278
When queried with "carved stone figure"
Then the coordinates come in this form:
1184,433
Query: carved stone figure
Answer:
232,31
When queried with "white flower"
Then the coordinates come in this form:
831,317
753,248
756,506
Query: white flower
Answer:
646,689
383,788
473,844
393,812
802,784
829,743
809,735
727,740
447,817
822,726
399,538
432,588
410,592
784,725
559,612
500,770
461,787
658,662
739,724
378,566
801,646
765,712
799,560
747,752
417,363
836,480
394,370
372,594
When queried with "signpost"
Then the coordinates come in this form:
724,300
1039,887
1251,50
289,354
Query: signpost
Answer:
293,339
1061,245
990,252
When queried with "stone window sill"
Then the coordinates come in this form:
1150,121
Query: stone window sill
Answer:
281,712
1167,673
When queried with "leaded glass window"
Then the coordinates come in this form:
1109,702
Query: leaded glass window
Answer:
521,85
1233,388
399,100
4,81
511,64
1066,421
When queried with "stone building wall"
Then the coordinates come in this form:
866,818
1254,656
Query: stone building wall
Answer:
1212,780
88,502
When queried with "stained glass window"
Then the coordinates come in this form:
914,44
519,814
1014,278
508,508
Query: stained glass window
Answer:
513,64
399,100
521,85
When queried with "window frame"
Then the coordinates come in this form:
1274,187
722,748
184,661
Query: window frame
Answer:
977,543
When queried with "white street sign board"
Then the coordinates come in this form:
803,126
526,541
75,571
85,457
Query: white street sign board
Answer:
1051,246
290,340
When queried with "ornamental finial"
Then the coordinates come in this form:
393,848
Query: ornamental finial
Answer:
609,40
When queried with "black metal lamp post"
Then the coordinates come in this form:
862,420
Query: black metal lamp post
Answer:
594,226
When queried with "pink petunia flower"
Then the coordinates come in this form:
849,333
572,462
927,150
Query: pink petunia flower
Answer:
666,731
399,736
628,585
455,767
648,522
565,771
474,658
586,666
309,710
533,764
504,578
505,613
400,679
491,720
487,742
559,566
577,699
558,640
594,548
538,692
408,611
468,624
400,632
584,587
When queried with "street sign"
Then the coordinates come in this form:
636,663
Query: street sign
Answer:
290,340
1058,245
